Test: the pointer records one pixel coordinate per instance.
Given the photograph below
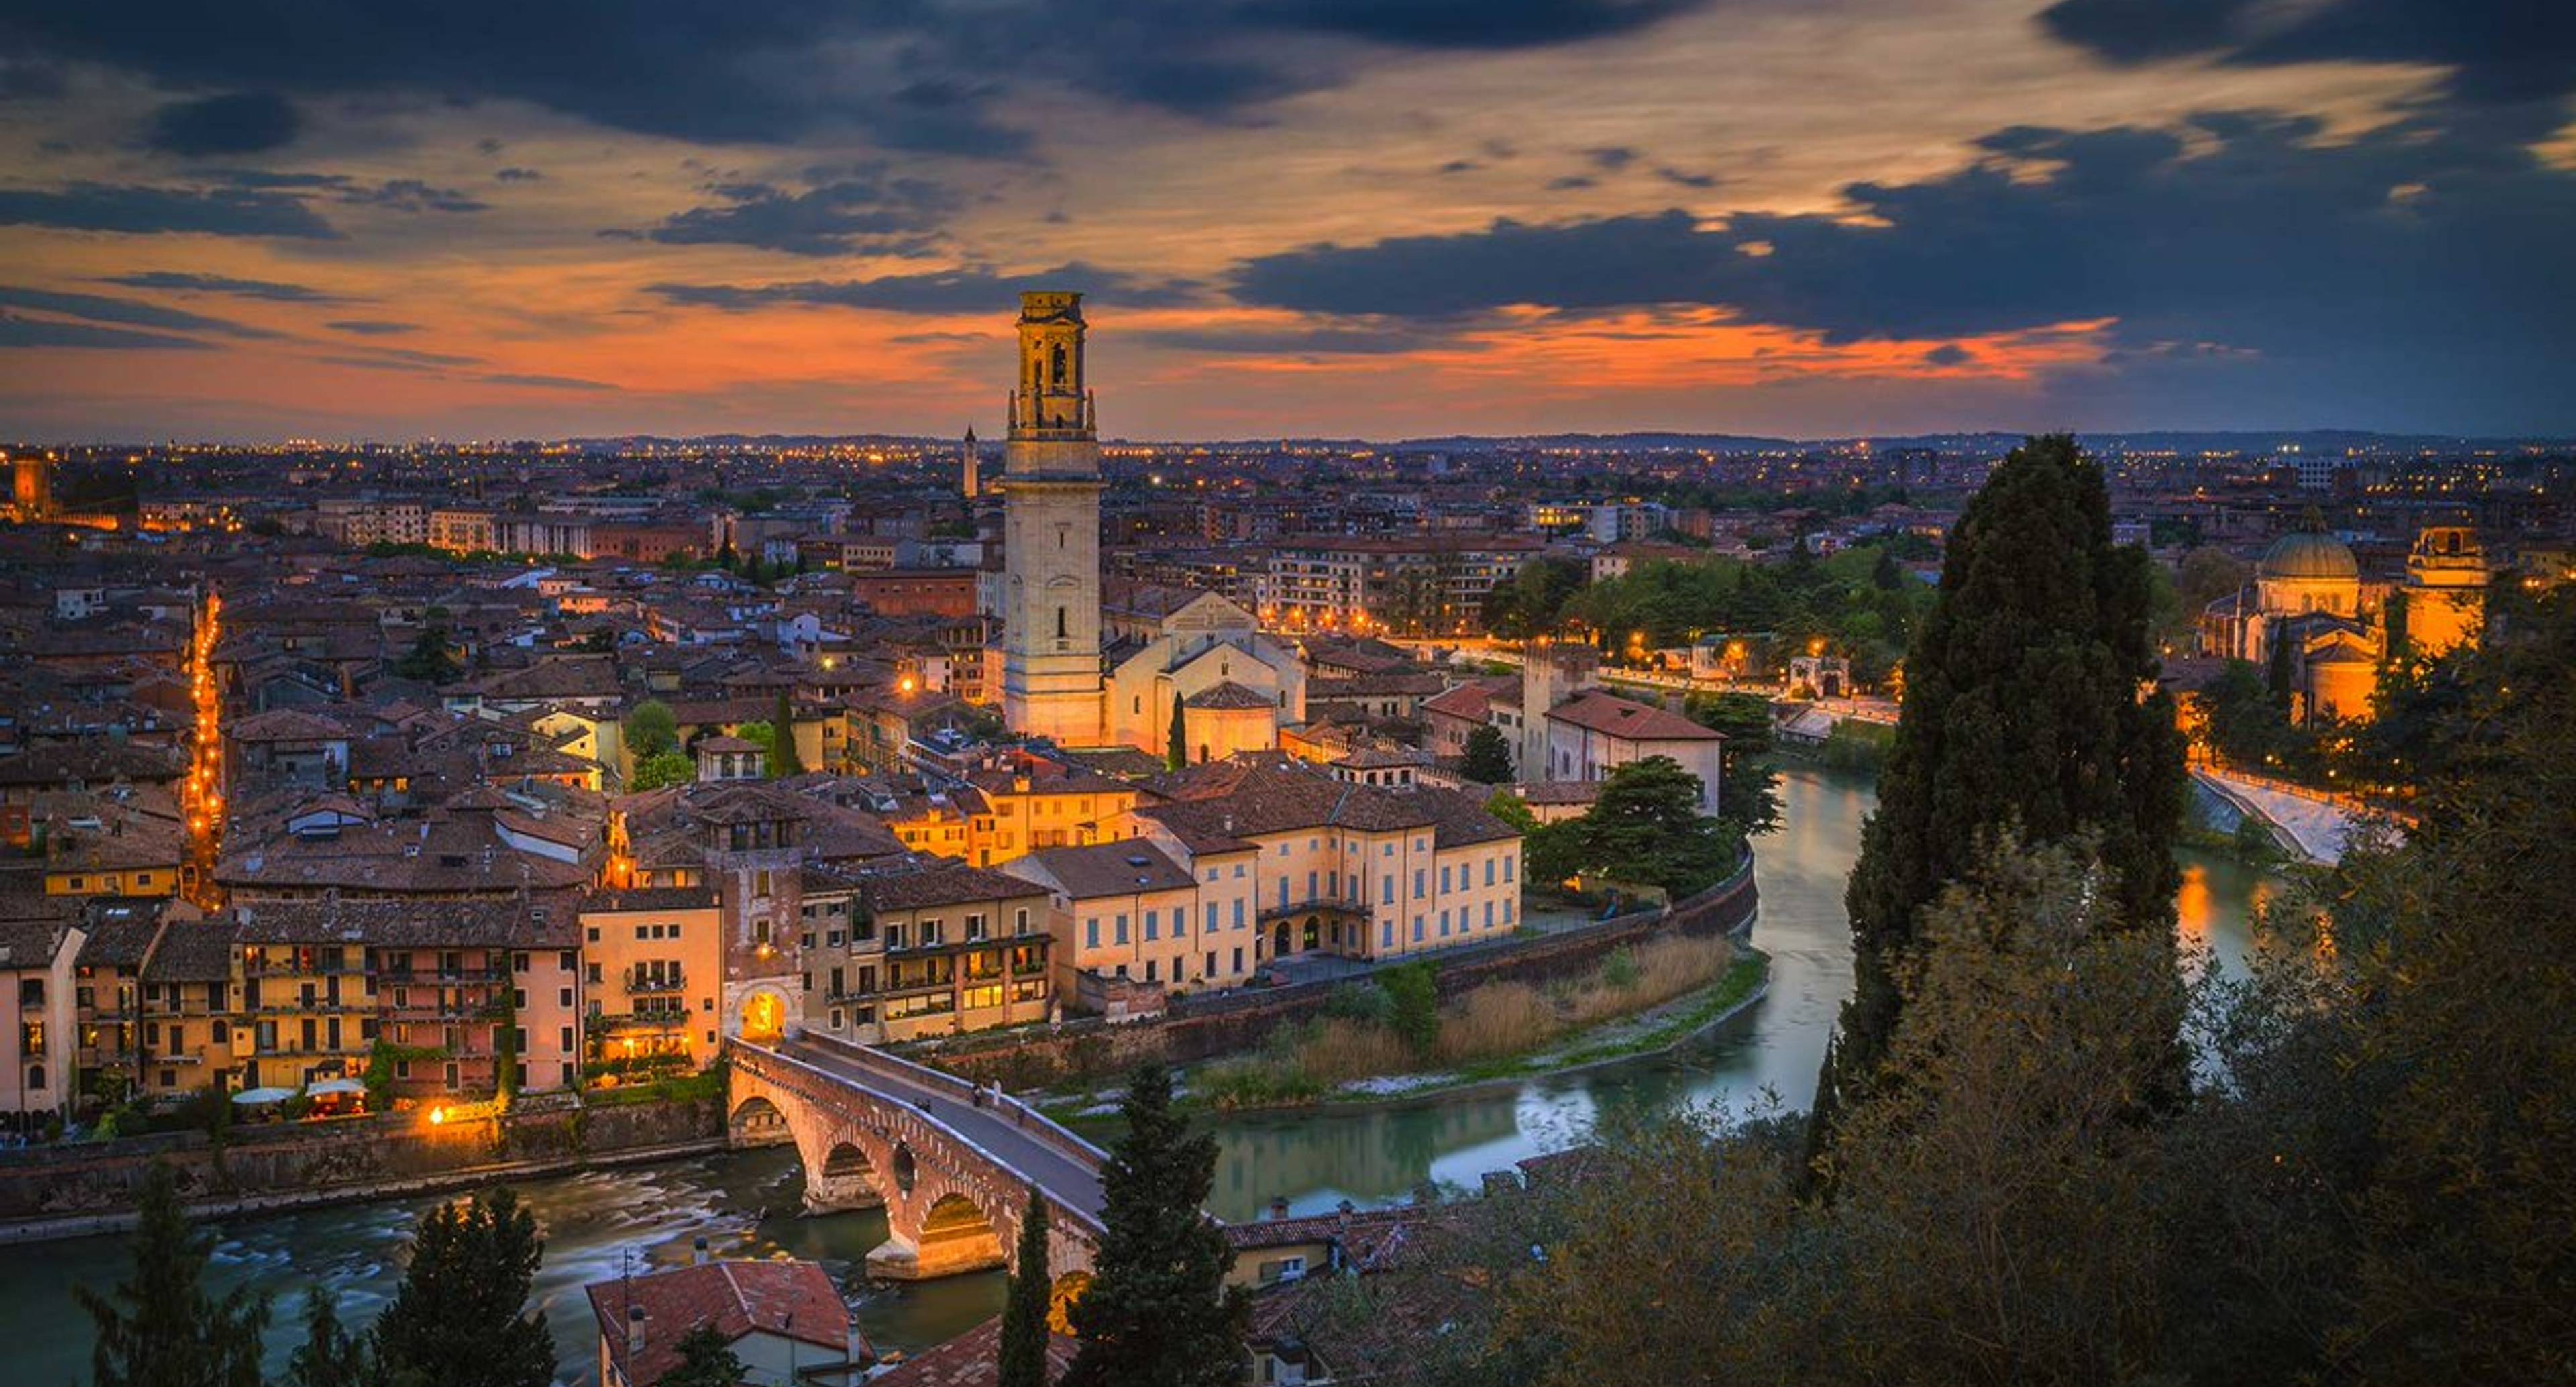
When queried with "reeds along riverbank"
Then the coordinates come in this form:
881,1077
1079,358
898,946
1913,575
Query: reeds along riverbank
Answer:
1492,1024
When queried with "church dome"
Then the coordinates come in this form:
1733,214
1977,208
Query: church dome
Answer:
2308,554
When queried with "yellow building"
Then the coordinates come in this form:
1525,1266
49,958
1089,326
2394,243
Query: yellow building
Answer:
652,972
1025,803
115,853
2445,595
947,949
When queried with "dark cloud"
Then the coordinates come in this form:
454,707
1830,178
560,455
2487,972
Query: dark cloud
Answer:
125,312
29,77
1611,158
947,291
871,210
1572,182
411,195
2497,50
516,175
909,74
1456,166
1949,354
372,327
181,282
2415,261
34,332
234,123
543,382
1681,179
1316,340
147,211
1471,23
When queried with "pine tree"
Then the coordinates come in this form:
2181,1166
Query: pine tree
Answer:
160,1328
1024,1312
2022,706
1488,760
1158,1312
330,1355
460,1318
1176,751
706,1360
1646,828
783,760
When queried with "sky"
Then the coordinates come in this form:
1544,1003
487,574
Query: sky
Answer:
361,219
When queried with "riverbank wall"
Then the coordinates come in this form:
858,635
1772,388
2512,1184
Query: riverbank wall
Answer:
1090,1050
81,1189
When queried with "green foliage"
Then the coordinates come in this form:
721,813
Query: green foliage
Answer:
1158,1312
1365,1001
1748,787
784,759
2022,707
706,1360
1839,599
1176,749
1645,829
1531,603
651,729
382,1056
663,768
1024,1305
159,1328
1413,995
330,1355
429,660
460,1317
1489,756
1620,968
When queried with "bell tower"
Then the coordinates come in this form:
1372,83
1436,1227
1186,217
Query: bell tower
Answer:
1051,684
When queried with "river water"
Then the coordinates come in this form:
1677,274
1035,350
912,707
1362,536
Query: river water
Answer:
605,1223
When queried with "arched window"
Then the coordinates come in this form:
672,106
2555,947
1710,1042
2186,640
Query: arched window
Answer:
1059,623
1058,363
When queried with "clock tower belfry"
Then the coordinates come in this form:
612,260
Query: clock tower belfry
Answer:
1051,683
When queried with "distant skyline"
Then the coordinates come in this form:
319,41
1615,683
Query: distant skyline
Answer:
1308,218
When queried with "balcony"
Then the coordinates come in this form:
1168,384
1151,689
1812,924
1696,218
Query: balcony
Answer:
642,982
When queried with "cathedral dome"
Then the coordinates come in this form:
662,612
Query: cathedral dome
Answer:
2308,554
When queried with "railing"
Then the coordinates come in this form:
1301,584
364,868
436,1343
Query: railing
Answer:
643,980
1067,1142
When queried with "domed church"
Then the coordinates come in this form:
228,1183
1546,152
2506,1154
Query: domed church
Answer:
2309,607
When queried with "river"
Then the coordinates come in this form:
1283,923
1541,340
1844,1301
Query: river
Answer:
601,1224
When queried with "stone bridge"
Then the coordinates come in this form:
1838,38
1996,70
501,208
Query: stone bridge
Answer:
951,1166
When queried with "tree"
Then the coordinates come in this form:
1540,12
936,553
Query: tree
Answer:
429,660
1748,787
1024,1308
784,759
1158,1312
651,729
1413,994
663,768
706,1360
1176,746
460,1317
2022,706
1646,827
1489,756
330,1355
159,1328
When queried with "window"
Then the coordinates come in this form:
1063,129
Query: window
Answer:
1210,926
1020,920
1091,932
1508,864
1118,933
1489,871
1153,928
1420,874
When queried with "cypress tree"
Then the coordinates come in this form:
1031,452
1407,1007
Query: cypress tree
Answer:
1024,1313
1177,752
460,1318
2022,706
159,1328
330,1356
783,760
1158,1312
1488,759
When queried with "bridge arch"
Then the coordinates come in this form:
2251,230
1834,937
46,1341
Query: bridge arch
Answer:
924,1148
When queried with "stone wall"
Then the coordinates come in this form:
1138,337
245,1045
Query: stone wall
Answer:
1089,1050
274,1166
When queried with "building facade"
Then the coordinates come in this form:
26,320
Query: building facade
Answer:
1051,487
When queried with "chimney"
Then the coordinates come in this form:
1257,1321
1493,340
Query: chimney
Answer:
698,1252
634,1331
1278,1207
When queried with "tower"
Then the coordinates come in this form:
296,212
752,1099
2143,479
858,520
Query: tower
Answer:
32,486
2446,589
1051,533
969,484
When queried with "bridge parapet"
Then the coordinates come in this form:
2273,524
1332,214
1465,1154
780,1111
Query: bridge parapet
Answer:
953,1175
1067,1142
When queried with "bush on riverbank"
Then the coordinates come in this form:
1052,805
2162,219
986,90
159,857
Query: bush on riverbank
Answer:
1359,1038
